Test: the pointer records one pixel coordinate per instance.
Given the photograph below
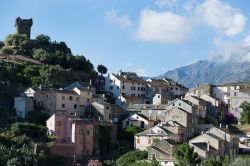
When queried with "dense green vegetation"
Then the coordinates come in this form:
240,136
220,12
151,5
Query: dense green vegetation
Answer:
185,155
25,144
131,157
245,115
129,132
53,65
105,138
54,56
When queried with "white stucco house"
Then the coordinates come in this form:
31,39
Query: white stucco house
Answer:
138,120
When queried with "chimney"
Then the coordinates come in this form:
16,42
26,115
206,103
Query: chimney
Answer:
220,125
208,146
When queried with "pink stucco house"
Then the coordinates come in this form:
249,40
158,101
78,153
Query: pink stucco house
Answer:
75,136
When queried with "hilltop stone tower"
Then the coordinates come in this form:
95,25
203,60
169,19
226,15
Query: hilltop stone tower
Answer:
23,26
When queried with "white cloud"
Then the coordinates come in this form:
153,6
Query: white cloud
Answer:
165,3
162,27
122,20
189,6
222,17
232,51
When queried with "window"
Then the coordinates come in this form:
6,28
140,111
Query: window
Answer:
123,87
133,83
70,98
111,88
110,81
75,106
127,123
63,105
58,123
176,88
88,100
137,117
109,116
138,88
173,104
235,93
138,141
88,93
63,97
139,95
141,88
107,107
123,94
172,88
159,96
87,132
149,141
179,104
117,87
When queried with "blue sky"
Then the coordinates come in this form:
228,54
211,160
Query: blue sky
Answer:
149,37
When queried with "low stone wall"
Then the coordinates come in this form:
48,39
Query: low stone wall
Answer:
63,149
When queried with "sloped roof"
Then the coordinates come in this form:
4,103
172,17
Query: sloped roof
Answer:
130,78
164,132
158,83
203,146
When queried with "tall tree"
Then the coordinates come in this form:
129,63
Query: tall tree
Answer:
185,156
245,115
19,42
102,69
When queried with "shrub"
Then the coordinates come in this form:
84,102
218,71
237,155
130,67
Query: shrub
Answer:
6,51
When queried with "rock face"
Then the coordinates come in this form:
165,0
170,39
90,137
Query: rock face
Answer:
210,72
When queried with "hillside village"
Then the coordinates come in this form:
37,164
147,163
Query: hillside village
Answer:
98,121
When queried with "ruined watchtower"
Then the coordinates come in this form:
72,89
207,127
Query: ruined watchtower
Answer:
23,26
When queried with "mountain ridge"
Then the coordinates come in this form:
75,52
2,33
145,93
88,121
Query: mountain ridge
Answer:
205,71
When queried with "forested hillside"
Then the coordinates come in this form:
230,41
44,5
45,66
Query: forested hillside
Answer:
25,62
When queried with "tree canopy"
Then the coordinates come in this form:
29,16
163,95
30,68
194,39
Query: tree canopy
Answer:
185,155
245,115
102,69
131,157
19,42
